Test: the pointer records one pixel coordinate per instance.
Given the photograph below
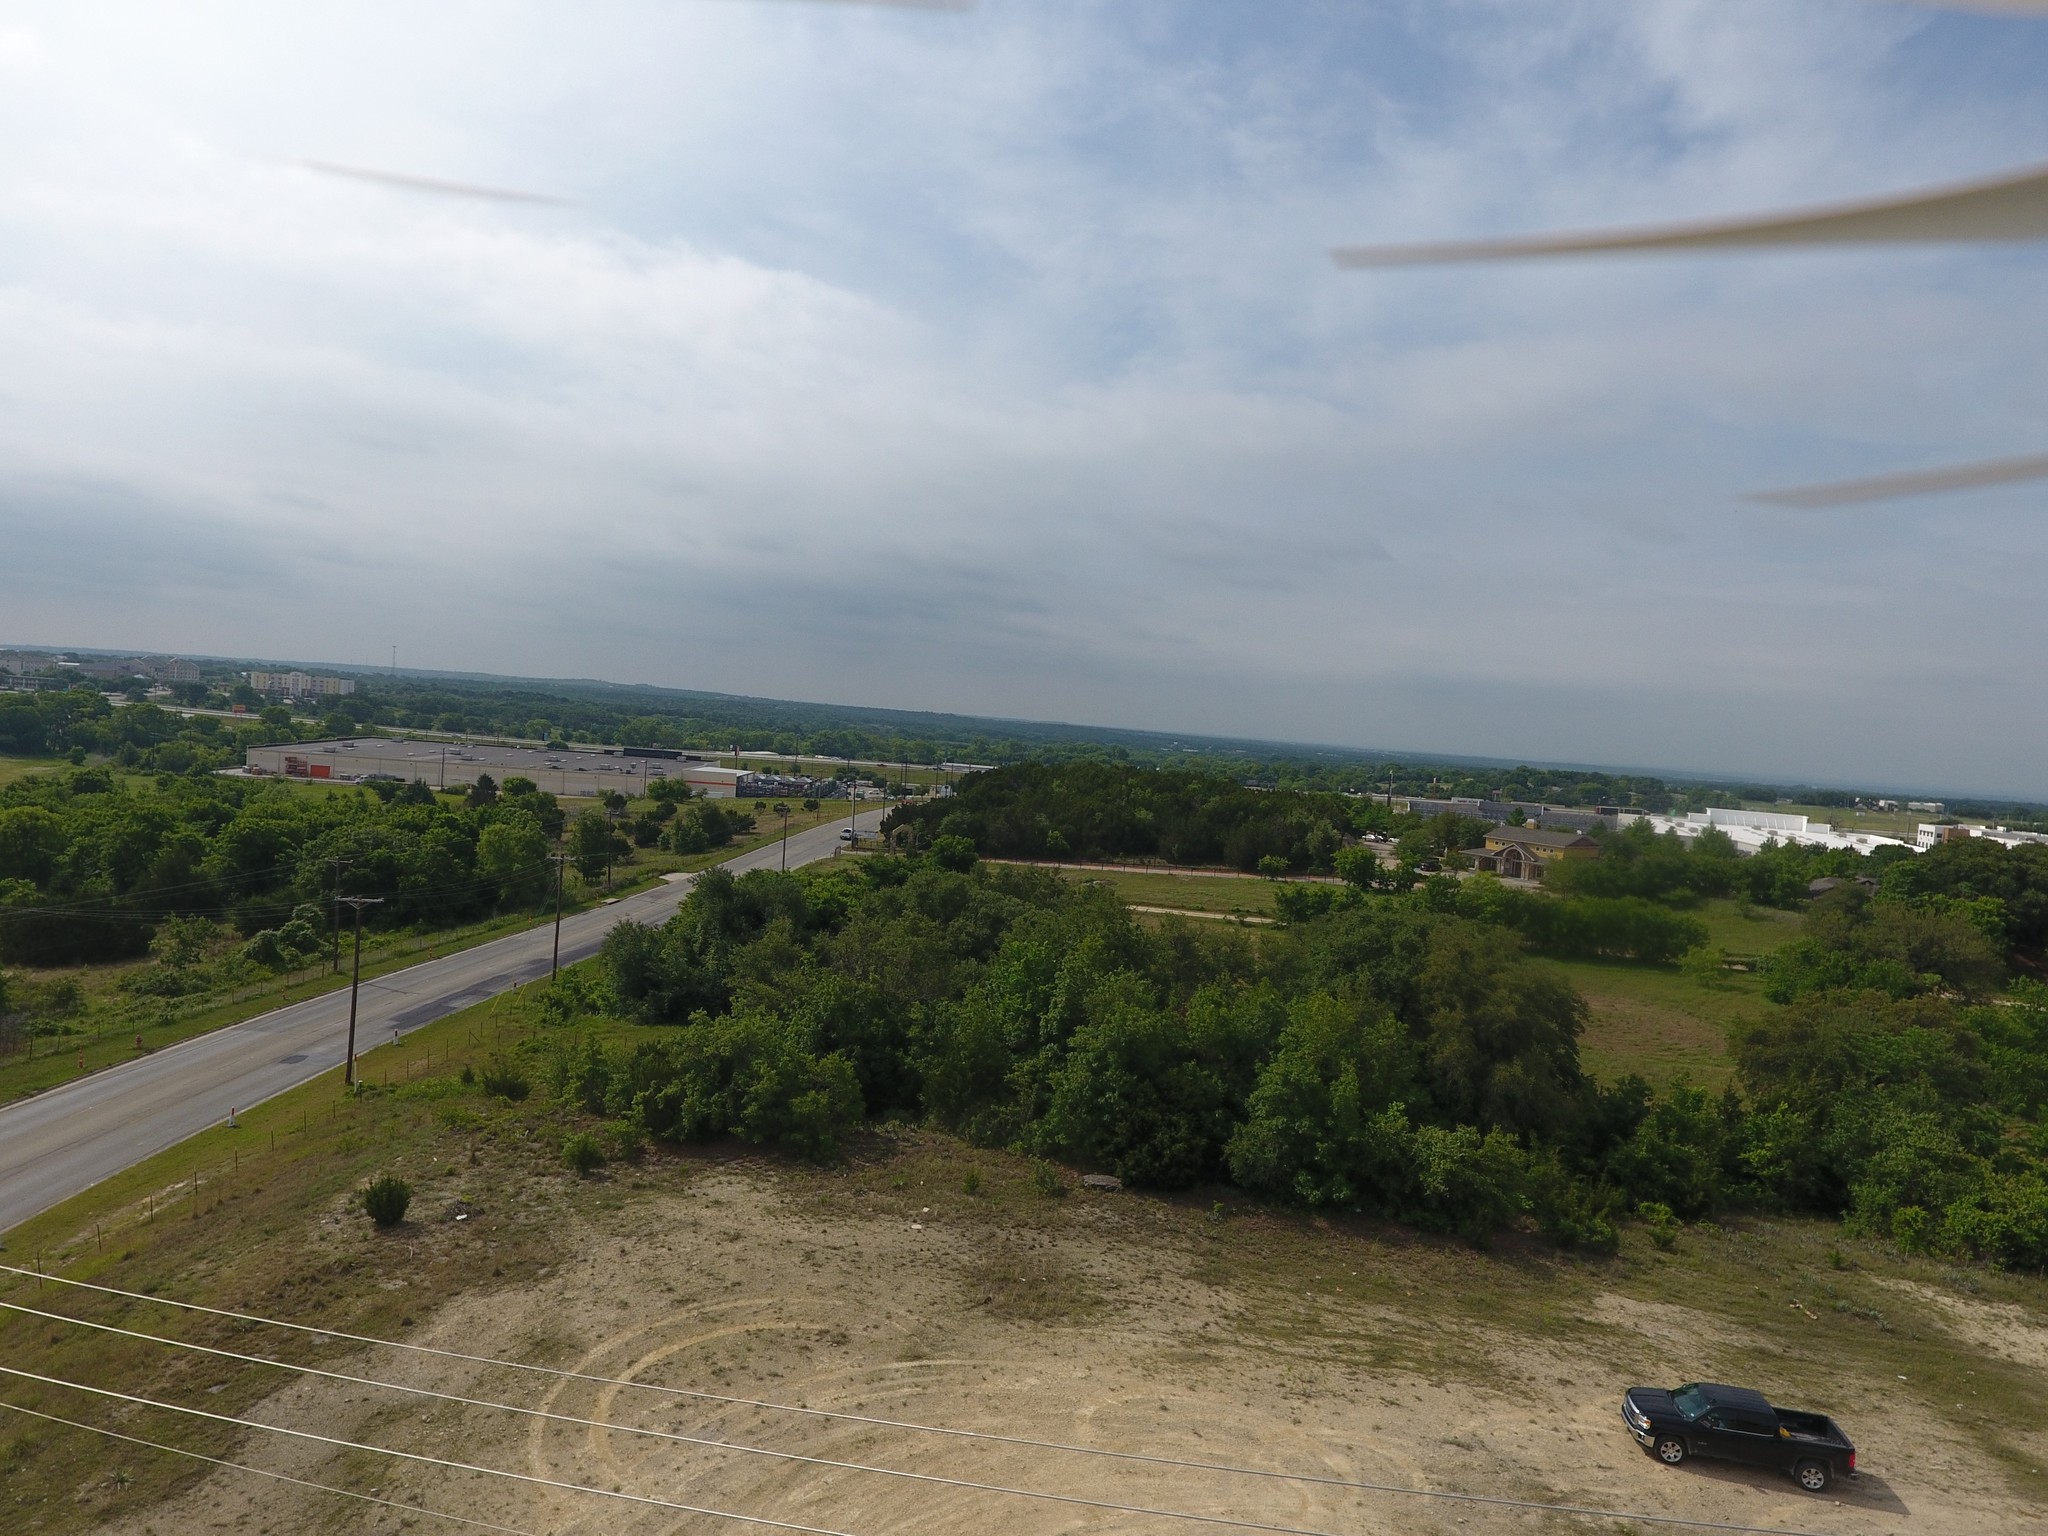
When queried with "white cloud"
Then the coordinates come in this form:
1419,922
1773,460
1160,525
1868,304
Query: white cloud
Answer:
992,363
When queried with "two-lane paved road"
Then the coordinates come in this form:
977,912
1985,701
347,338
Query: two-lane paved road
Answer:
69,1138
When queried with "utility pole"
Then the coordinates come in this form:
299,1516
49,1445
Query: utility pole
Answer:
555,965
339,866
348,1073
782,810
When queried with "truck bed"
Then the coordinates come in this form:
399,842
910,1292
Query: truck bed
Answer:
1814,1428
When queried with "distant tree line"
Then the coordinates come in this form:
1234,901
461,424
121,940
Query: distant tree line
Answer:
572,713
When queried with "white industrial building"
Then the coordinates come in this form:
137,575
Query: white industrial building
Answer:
1751,830
457,765
1932,833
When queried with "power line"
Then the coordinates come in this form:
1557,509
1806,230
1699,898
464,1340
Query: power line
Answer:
674,1437
432,1461
282,1477
1026,1442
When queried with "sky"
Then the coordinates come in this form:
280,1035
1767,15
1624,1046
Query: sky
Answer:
994,362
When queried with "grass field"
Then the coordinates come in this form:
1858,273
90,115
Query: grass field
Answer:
1186,893
12,768
1652,1020
930,1275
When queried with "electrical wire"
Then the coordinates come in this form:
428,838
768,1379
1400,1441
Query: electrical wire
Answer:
432,1461
1026,1442
282,1477
674,1437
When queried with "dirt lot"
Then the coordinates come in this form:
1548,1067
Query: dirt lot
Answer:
928,1282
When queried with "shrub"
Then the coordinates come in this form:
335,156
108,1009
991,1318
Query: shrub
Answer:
749,1075
1046,1182
1705,964
385,1199
970,1182
954,853
582,1153
1572,1212
505,1081
623,1142
1662,1225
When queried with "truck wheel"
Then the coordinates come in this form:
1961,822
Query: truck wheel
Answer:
1670,1450
1812,1475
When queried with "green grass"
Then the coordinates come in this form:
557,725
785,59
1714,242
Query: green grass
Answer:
261,1217
12,768
1742,929
1186,893
1655,1021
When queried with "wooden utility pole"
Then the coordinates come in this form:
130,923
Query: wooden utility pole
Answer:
555,965
335,927
348,1072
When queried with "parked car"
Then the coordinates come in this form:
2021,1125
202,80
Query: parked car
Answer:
1707,1418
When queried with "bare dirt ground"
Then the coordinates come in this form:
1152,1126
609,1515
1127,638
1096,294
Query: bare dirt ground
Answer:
1099,1320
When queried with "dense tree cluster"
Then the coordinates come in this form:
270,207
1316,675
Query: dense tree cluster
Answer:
81,723
1400,1055
91,867
1101,810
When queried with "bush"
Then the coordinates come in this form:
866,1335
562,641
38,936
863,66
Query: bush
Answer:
1046,1182
386,1198
582,1153
1705,964
1569,1212
505,1082
1662,1225
954,853
623,1143
749,1075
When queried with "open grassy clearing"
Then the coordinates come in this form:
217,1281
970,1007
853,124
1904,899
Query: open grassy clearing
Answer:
1743,929
1187,893
929,1280
1663,1025
12,768
1653,1021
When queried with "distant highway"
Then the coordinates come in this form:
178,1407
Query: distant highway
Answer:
69,1138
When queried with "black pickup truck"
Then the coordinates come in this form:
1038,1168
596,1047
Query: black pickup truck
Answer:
1704,1418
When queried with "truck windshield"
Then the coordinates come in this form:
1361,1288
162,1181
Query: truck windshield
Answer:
1691,1402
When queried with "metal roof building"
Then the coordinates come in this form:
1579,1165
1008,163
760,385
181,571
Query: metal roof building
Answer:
457,765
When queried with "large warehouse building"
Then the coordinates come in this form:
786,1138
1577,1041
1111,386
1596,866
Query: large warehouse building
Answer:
457,765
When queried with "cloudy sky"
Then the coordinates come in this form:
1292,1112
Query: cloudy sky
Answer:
994,362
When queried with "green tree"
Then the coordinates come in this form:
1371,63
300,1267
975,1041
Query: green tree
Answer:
32,840
590,844
512,858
